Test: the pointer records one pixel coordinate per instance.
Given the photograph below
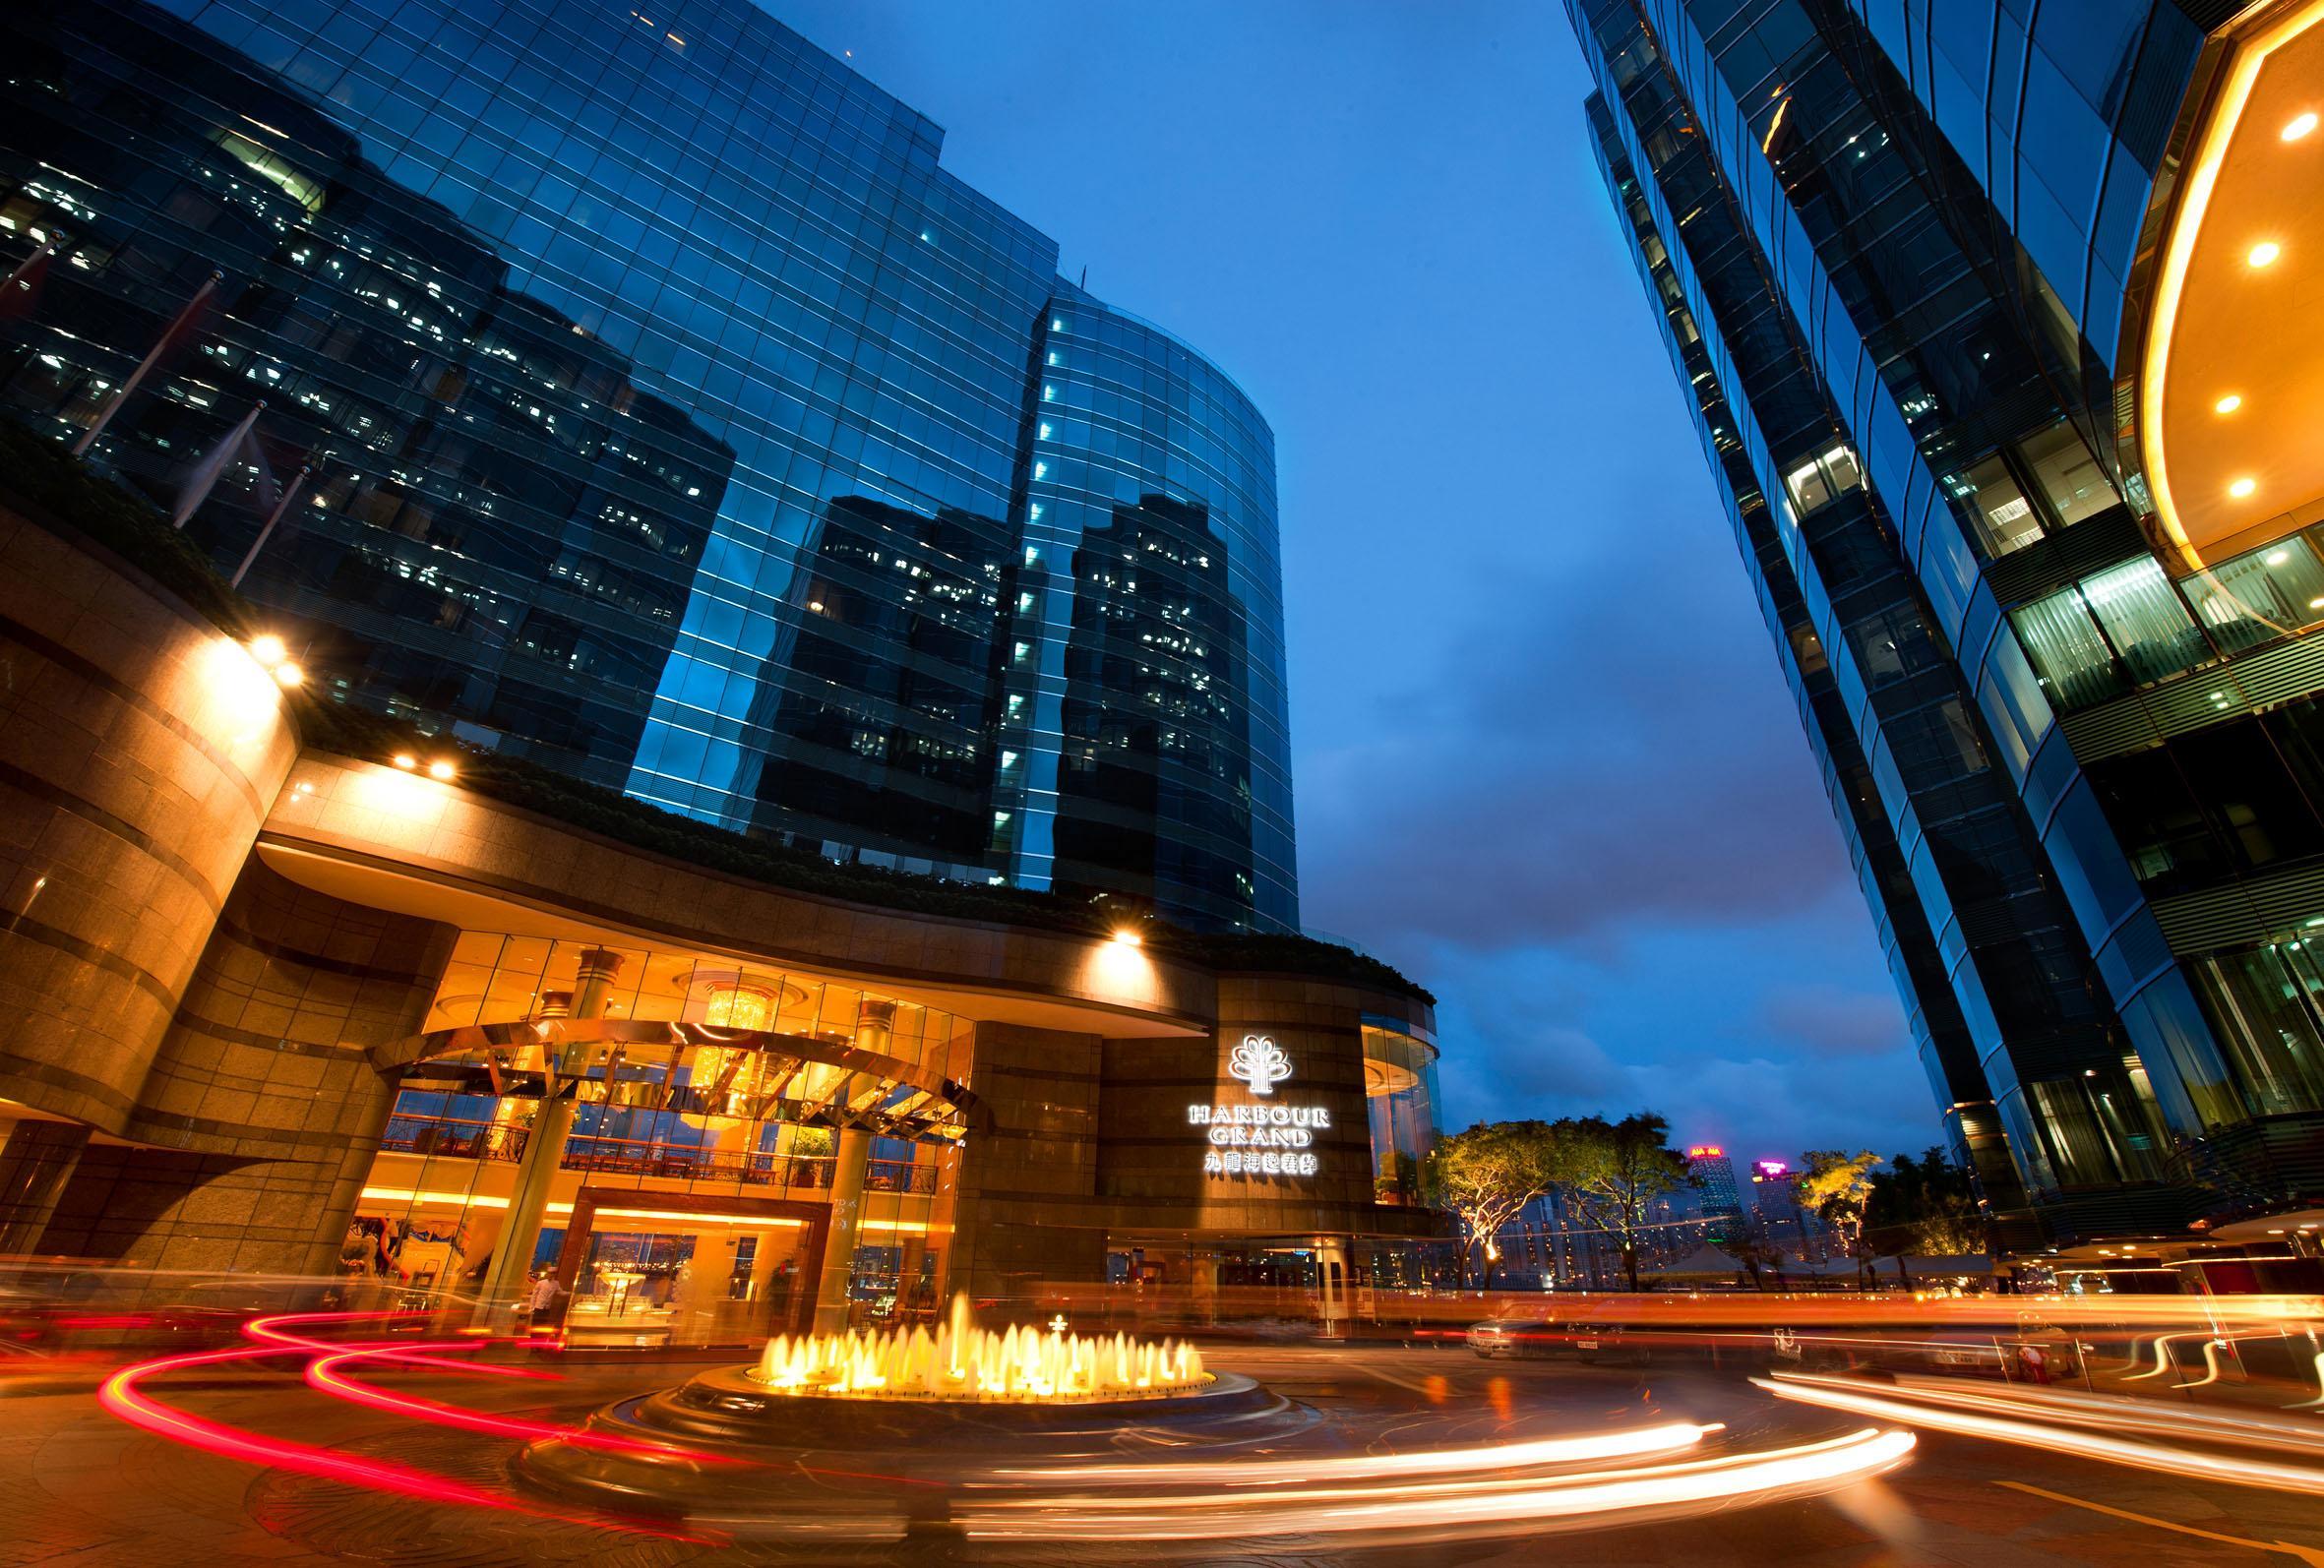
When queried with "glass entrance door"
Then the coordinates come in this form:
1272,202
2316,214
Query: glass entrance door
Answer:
644,1272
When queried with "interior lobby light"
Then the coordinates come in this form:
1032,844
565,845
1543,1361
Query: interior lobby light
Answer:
442,771
2264,252
2228,404
2242,487
2299,126
407,762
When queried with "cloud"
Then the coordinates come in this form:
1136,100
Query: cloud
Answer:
1832,1020
1588,753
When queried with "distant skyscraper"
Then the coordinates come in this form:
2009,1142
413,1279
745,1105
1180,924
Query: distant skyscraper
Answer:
1776,1210
1714,1176
2001,341
677,422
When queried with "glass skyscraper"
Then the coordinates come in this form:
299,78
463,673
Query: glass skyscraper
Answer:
2000,324
675,420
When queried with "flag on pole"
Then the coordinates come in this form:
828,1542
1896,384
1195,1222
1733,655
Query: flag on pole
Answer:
281,507
240,445
179,330
20,294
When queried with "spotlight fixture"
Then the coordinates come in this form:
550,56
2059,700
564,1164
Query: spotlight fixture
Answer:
2264,252
2228,404
407,762
2242,487
288,673
1126,938
442,771
2299,125
267,650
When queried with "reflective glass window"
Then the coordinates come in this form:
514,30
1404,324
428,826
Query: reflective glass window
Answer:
2263,1004
2144,619
2005,517
2263,595
1811,484
2074,663
2071,478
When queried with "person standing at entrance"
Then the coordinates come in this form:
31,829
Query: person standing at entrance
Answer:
543,1300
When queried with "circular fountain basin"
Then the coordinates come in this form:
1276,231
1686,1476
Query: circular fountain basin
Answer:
705,1446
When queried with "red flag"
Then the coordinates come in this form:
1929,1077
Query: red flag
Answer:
20,294
179,330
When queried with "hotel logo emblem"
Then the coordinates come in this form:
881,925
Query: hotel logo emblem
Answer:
1260,1062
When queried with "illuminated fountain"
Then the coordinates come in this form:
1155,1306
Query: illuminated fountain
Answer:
961,1361
923,1399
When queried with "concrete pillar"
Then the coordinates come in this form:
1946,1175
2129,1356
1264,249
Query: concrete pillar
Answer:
1202,1287
1331,1282
874,1025
35,1162
544,1148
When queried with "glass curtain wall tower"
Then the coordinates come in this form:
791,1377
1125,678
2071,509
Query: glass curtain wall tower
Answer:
675,420
1989,317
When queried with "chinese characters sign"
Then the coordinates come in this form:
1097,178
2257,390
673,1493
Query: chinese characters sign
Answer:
1267,1139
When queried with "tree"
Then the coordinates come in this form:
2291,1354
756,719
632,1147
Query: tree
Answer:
1487,1173
1616,1171
1835,1185
1927,1206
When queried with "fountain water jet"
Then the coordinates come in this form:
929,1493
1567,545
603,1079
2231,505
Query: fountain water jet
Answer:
961,1361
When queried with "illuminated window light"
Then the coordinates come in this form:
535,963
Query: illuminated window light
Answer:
2242,487
2277,558
2299,125
2228,405
2264,253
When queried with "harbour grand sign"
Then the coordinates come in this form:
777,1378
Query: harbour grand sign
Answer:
1265,1137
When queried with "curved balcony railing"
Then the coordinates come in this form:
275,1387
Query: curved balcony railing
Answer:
452,1138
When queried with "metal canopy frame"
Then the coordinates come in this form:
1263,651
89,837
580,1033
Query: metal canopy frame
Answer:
885,1096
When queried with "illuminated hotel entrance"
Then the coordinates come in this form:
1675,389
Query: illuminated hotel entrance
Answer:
639,1267
695,1152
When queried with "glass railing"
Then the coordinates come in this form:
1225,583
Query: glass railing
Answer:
454,1138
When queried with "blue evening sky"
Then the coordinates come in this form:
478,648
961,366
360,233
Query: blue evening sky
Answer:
1542,759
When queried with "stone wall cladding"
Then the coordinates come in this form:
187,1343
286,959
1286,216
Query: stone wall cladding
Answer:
263,1096
140,751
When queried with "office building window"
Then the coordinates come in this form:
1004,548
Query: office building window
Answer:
2070,479
2005,517
2144,619
2260,595
1813,483
2098,1133
2073,661
2263,1003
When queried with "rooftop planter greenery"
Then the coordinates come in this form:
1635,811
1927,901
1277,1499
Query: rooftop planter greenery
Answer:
47,483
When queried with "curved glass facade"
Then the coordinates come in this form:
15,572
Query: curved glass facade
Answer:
1401,1097
1898,294
674,421
1152,735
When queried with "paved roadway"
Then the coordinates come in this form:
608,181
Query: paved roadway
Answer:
79,1487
